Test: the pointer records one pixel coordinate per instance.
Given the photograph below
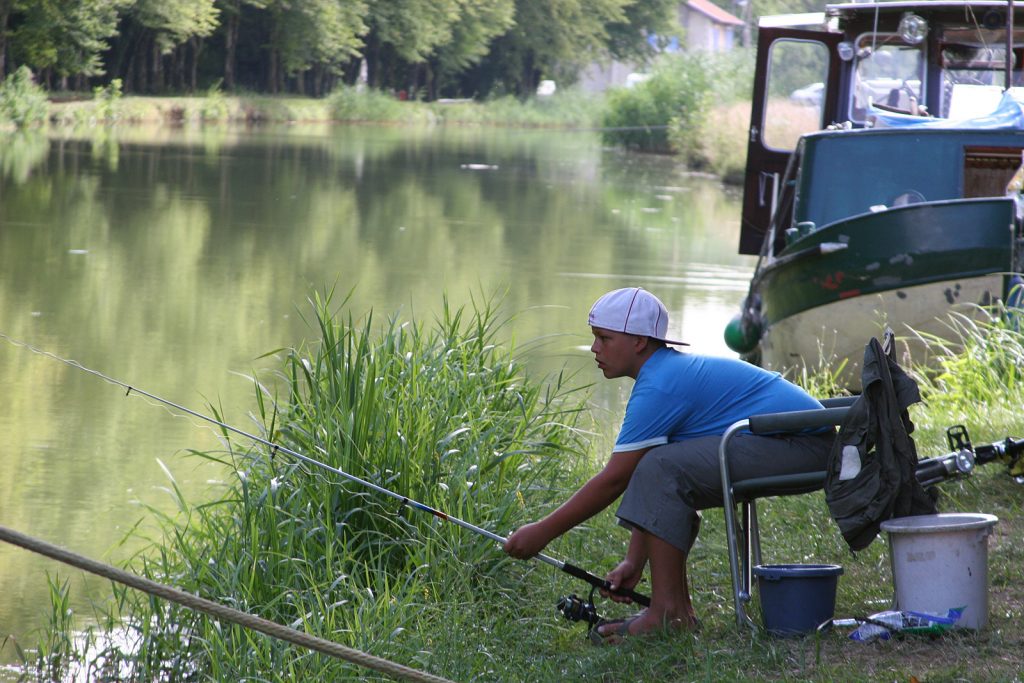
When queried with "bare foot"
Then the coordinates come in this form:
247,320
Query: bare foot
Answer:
644,622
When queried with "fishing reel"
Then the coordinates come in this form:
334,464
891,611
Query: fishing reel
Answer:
575,608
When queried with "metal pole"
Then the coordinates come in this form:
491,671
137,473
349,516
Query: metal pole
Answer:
1009,44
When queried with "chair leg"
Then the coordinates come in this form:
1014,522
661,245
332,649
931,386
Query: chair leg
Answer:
732,534
747,532
754,532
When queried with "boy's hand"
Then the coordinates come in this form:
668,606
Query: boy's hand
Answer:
625,576
527,541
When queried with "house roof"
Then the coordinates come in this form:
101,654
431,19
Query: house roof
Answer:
714,12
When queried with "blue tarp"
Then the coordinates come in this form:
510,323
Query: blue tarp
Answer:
1008,115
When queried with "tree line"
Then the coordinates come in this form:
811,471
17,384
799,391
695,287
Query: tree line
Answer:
426,48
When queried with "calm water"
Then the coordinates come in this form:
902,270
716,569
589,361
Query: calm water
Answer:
174,261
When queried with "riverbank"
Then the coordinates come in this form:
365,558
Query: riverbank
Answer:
570,110
722,148
395,585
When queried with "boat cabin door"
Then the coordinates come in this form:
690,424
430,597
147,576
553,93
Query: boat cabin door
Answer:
796,86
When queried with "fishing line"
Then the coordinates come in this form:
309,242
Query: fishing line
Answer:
130,389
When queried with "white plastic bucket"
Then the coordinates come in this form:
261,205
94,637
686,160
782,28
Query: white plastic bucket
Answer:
940,562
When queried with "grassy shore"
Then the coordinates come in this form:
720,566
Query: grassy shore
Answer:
446,415
347,105
722,147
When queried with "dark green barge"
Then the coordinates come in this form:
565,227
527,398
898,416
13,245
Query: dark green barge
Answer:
900,205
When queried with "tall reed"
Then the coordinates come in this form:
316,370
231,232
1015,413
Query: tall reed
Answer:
445,415
974,371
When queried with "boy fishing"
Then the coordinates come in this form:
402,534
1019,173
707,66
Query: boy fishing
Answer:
664,463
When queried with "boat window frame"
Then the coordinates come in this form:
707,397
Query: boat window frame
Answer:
892,38
770,62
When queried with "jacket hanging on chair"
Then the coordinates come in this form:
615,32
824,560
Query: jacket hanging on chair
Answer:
871,473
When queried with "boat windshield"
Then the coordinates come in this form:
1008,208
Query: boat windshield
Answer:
888,72
973,65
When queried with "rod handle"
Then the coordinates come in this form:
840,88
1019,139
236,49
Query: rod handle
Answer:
598,582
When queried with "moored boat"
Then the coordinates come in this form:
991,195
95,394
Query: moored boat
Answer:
883,177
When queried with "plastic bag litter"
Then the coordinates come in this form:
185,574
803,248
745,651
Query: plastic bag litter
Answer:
882,625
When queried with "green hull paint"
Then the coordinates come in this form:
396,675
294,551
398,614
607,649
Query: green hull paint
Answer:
890,250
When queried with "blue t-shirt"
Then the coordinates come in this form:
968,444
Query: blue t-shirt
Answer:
681,396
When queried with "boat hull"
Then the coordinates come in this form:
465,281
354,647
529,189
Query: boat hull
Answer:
833,336
905,268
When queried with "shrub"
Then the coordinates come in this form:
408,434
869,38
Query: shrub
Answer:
676,96
22,102
358,104
107,99
214,107
717,140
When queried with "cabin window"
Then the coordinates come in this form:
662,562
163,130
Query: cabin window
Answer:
988,170
887,73
797,71
974,72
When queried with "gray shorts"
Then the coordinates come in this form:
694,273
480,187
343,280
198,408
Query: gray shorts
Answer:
672,482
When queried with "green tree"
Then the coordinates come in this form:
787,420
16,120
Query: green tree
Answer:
480,21
231,18
61,38
169,27
550,38
643,18
6,8
314,35
404,33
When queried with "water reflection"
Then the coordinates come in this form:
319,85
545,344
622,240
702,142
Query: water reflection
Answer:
174,260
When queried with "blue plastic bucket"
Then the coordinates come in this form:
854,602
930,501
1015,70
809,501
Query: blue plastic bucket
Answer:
796,598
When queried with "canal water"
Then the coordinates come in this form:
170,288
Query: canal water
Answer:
177,260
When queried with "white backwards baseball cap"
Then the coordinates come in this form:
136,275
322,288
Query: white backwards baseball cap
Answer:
632,310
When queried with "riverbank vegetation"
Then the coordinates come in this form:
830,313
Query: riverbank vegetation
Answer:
446,415
679,110
695,105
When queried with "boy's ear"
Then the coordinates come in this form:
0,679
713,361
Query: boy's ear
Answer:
641,343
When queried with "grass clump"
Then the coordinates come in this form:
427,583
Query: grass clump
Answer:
22,102
443,415
975,370
565,109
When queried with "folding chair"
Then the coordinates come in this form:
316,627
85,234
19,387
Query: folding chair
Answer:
745,493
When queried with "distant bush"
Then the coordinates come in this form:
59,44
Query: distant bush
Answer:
357,104
668,111
571,108
567,108
107,99
717,139
638,117
215,107
22,102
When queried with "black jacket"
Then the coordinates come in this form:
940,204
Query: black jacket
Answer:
872,467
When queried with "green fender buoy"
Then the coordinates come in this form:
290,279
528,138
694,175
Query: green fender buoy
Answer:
742,336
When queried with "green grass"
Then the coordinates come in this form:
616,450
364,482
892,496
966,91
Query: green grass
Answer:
444,414
570,109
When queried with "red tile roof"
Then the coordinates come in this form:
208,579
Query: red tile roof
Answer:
714,12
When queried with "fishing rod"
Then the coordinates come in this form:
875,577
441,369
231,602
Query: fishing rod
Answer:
572,607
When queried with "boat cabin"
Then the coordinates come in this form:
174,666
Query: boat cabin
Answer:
847,69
